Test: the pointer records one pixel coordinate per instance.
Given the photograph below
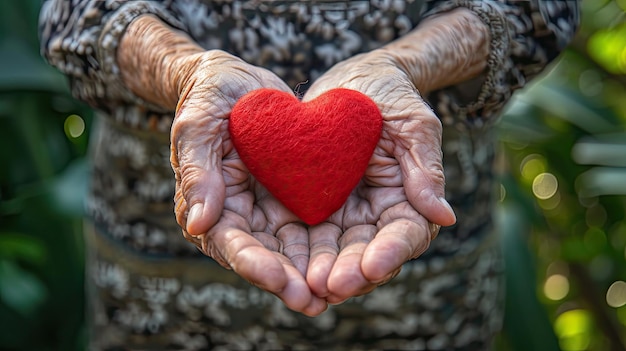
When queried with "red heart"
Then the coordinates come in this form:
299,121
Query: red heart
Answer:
309,155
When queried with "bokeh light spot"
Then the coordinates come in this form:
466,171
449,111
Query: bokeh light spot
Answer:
545,186
502,192
608,48
74,126
558,267
616,294
532,165
574,330
551,203
556,287
617,236
590,83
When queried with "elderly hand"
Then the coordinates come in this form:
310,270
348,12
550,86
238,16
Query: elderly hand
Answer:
397,208
222,209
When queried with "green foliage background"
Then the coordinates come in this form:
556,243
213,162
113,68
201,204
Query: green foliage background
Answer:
562,212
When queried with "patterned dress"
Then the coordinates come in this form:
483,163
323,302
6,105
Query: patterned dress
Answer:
149,289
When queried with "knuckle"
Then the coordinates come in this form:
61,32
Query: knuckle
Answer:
209,249
190,177
181,209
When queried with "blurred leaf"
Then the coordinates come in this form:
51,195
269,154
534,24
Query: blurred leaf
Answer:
17,246
65,192
33,134
522,123
563,103
526,321
21,69
19,19
602,181
604,149
20,289
70,188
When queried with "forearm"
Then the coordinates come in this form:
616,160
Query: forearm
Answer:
443,50
152,58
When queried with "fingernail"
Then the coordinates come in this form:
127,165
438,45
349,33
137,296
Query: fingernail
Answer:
194,215
447,205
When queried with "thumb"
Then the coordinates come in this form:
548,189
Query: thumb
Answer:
204,194
196,158
422,168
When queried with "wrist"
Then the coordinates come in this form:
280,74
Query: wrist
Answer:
443,50
152,57
183,70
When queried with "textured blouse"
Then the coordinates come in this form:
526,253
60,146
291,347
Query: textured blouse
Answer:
131,198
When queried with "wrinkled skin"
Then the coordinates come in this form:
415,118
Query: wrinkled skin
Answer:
228,215
234,220
385,221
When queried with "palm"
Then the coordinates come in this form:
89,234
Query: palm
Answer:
385,221
221,209
250,204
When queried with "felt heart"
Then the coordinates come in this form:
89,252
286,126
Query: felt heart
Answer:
309,155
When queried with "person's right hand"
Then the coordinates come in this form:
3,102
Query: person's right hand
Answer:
221,208
396,210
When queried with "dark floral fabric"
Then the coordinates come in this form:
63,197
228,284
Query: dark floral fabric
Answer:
151,290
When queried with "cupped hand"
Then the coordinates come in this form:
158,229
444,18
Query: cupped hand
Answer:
397,208
220,207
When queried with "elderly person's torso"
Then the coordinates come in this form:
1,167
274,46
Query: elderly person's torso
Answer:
152,282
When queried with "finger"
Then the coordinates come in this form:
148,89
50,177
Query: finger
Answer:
226,237
241,202
182,211
420,157
346,278
296,294
287,227
272,272
324,248
204,190
365,205
269,241
398,241
230,244
196,159
295,245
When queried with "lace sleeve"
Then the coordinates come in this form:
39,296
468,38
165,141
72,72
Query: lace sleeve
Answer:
80,39
525,37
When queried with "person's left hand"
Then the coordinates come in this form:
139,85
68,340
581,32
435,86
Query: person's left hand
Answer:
224,211
398,207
